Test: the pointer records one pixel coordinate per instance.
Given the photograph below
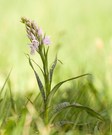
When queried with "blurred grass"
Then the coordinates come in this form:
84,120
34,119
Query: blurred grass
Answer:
23,115
81,30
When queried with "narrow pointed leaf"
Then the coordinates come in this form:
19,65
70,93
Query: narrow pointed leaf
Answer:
5,82
60,61
38,81
47,52
59,108
5,108
11,96
66,122
88,110
38,66
27,55
62,123
52,69
57,86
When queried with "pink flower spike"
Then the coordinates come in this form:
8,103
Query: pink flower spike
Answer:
31,36
46,40
34,24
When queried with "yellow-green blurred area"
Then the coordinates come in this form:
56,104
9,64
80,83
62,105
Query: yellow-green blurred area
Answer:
81,34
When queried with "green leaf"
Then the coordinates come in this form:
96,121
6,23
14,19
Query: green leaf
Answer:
36,98
11,96
88,110
52,69
5,108
38,66
57,86
18,130
9,127
27,55
63,122
1,100
5,82
59,108
38,81
46,53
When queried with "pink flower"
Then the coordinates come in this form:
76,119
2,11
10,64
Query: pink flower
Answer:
34,46
46,40
32,50
35,43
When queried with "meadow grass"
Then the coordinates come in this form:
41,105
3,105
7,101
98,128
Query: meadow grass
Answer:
77,109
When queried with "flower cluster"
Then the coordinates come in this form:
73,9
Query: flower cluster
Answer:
35,34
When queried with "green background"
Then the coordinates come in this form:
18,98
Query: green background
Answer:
81,34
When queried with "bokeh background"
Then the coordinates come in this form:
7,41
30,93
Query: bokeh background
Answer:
81,34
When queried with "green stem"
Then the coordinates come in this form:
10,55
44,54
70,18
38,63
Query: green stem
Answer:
45,68
44,59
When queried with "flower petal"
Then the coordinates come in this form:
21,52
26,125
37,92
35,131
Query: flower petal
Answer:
46,40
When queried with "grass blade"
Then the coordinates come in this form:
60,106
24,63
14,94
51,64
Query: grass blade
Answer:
5,82
62,123
18,130
11,96
57,86
5,109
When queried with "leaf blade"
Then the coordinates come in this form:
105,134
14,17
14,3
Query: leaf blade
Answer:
41,87
52,69
5,82
55,88
59,108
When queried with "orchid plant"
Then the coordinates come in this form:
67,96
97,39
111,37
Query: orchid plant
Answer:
39,43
